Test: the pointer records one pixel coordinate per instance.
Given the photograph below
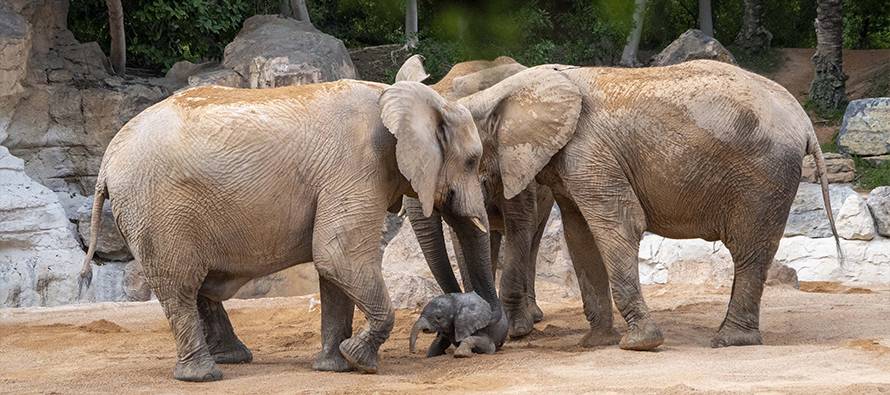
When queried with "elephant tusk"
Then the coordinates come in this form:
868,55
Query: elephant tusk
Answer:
478,223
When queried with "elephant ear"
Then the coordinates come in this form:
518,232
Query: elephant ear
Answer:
412,70
532,115
473,314
413,113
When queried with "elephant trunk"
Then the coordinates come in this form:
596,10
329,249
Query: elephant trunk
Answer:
476,247
428,231
422,324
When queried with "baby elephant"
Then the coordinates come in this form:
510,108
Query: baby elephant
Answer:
456,318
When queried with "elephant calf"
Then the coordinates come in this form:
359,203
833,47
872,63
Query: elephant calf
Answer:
456,318
215,186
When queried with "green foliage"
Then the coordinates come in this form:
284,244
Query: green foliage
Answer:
830,146
831,115
583,32
869,176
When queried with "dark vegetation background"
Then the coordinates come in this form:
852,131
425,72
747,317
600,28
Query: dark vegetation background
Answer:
582,32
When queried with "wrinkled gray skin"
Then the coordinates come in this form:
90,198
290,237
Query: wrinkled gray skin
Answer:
518,222
215,186
702,149
456,319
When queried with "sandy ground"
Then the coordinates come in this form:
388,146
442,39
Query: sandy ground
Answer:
830,339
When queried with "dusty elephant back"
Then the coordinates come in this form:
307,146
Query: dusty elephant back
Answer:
692,138
218,161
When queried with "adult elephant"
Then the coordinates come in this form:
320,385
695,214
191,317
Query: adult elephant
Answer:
702,149
215,186
518,221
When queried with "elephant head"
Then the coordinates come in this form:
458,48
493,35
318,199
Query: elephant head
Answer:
524,117
454,317
437,150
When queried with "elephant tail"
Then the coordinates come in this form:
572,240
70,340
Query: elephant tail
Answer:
86,274
814,149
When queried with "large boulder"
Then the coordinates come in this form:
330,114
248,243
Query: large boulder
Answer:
879,205
15,49
110,244
691,45
807,216
854,221
865,129
839,168
271,50
39,257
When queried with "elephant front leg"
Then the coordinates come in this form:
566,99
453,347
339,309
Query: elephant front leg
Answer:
346,255
336,326
592,277
520,225
224,345
616,221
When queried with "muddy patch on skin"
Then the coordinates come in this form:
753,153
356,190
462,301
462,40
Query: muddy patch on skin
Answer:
827,287
102,326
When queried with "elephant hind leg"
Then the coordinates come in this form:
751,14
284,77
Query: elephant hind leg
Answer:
224,345
178,297
741,326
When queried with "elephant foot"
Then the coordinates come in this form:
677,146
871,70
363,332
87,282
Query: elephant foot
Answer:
642,335
465,350
359,353
197,371
731,336
331,362
521,323
537,314
598,337
235,352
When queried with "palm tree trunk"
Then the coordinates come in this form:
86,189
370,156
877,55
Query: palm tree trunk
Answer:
705,19
301,11
753,37
827,91
118,41
629,55
411,24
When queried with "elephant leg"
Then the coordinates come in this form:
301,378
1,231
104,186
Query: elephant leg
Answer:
741,327
345,254
224,345
545,204
438,346
461,262
336,326
592,277
520,224
617,221
474,344
179,300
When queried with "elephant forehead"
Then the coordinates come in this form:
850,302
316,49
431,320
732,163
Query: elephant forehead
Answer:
217,95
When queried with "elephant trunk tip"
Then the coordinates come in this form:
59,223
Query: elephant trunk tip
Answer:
421,325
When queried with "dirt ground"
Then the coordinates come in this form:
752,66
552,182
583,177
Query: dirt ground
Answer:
830,339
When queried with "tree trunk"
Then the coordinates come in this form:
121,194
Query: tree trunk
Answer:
629,55
753,37
296,9
116,31
827,91
705,20
411,24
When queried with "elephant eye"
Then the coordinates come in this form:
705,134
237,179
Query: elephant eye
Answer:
471,163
